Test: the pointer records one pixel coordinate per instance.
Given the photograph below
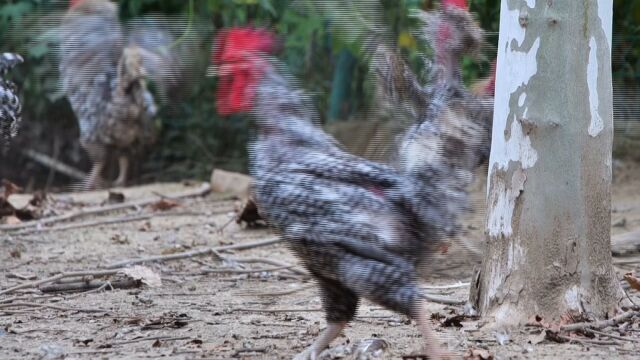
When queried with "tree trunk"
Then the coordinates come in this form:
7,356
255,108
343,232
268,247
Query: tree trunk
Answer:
549,191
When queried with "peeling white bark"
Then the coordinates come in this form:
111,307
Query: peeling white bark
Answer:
597,124
516,67
503,201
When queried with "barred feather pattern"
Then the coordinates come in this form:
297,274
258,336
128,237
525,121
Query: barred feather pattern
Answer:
10,106
360,227
104,66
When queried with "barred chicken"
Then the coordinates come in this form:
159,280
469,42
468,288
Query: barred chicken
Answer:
361,228
104,68
10,107
444,110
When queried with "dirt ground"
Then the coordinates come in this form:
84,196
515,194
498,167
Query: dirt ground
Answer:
199,311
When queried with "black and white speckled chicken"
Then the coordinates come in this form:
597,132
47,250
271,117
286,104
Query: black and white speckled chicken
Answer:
445,111
104,66
10,106
360,228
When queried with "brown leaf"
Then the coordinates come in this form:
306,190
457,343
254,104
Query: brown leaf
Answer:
169,320
164,204
537,339
633,281
12,220
120,239
477,354
144,274
10,188
248,213
115,197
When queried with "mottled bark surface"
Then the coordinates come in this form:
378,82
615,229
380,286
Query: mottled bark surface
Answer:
549,190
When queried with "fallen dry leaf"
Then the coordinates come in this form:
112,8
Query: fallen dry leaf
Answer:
10,188
12,220
115,197
536,339
120,239
143,274
633,281
164,204
477,354
169,320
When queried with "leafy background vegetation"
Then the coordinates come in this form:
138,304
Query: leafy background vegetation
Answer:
194,139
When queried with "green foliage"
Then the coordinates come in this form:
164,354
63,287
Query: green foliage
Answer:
194,138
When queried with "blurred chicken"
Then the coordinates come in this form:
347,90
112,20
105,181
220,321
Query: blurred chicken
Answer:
360,228
104,67
10,107
444,109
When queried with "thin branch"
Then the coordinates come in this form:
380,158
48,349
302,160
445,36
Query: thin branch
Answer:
601,324
92,286
445,287
63,275
189,254
626,261
601,333
55,164
55,307
204,189
151,338
276,310
277,293
233,271
587,341
108,221
442,300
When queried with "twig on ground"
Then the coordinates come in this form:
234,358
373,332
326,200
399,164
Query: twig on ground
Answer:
91,286
204,189
586,341
254,260
232,271
626,261
37,283
276,310
600,324
442,300
188,254
256,350
151,338
21,276
107,284
601,333
445,287
55,307
108,221
277,293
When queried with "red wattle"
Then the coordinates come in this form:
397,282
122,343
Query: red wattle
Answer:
73,3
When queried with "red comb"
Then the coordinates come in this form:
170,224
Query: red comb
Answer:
461,4
73,3
234,49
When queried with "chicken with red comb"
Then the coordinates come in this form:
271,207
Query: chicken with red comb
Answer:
360,228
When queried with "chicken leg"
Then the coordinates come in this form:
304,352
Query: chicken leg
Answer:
329,334
123,168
